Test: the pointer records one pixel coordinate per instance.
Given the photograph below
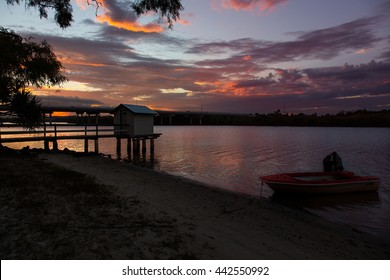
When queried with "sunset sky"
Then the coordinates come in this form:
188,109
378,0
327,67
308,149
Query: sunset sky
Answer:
239,56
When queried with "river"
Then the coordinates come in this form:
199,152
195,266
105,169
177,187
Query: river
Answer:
233,158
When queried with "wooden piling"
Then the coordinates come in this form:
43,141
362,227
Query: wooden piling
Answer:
129,148
136,146
143,146
152,150
118,147
96,145
85,145
55,145
46,145
151,145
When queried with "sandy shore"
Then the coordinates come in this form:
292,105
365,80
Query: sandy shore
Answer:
186,219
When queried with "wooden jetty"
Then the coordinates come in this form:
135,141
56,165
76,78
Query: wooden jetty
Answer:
133,125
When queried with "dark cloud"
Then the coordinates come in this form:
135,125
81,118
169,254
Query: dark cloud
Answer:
321,44
239,45
385,55
347,86
120,10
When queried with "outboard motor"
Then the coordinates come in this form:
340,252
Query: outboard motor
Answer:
333,163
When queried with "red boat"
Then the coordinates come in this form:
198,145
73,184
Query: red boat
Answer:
321,182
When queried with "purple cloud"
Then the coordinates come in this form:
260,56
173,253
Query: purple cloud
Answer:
321,44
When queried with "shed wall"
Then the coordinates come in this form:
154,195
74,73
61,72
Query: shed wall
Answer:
134,124
143,124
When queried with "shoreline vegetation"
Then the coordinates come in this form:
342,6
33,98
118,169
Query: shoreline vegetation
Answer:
75,206
360,118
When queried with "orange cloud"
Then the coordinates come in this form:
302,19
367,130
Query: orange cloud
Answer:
228,88
130,25
223,87
69,61
118,15
82,4
183,22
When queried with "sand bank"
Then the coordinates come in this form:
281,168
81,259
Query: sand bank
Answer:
50,212
214,224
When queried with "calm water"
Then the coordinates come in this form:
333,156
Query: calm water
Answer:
233,158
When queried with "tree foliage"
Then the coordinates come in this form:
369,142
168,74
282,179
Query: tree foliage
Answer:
168,10
23,63
63,9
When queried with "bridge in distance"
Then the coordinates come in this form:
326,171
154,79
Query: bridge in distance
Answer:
166,117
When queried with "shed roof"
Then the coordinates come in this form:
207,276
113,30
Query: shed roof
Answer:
136,109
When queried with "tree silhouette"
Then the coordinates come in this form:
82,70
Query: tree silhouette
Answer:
24,63
166,9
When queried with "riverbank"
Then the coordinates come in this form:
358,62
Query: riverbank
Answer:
64,206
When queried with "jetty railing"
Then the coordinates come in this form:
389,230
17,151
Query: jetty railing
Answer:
52,133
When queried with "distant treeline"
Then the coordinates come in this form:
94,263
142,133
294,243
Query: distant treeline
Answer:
361,118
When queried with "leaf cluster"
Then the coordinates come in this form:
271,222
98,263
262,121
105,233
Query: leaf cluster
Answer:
168,9
63,9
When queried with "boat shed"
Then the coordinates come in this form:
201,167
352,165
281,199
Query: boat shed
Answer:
133,120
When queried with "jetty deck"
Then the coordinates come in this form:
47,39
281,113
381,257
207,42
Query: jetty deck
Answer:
88,128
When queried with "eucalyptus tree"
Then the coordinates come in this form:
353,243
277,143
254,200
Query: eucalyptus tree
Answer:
24,62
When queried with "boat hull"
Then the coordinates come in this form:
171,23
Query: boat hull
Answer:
321,182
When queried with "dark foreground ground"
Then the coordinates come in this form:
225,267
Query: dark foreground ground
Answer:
112,210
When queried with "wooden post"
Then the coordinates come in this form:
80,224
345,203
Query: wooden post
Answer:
97,134
44,125
96,145
85,145
129,148
85,140
151,145
151,150
118,147
46,145
144,146
55,143
136,146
